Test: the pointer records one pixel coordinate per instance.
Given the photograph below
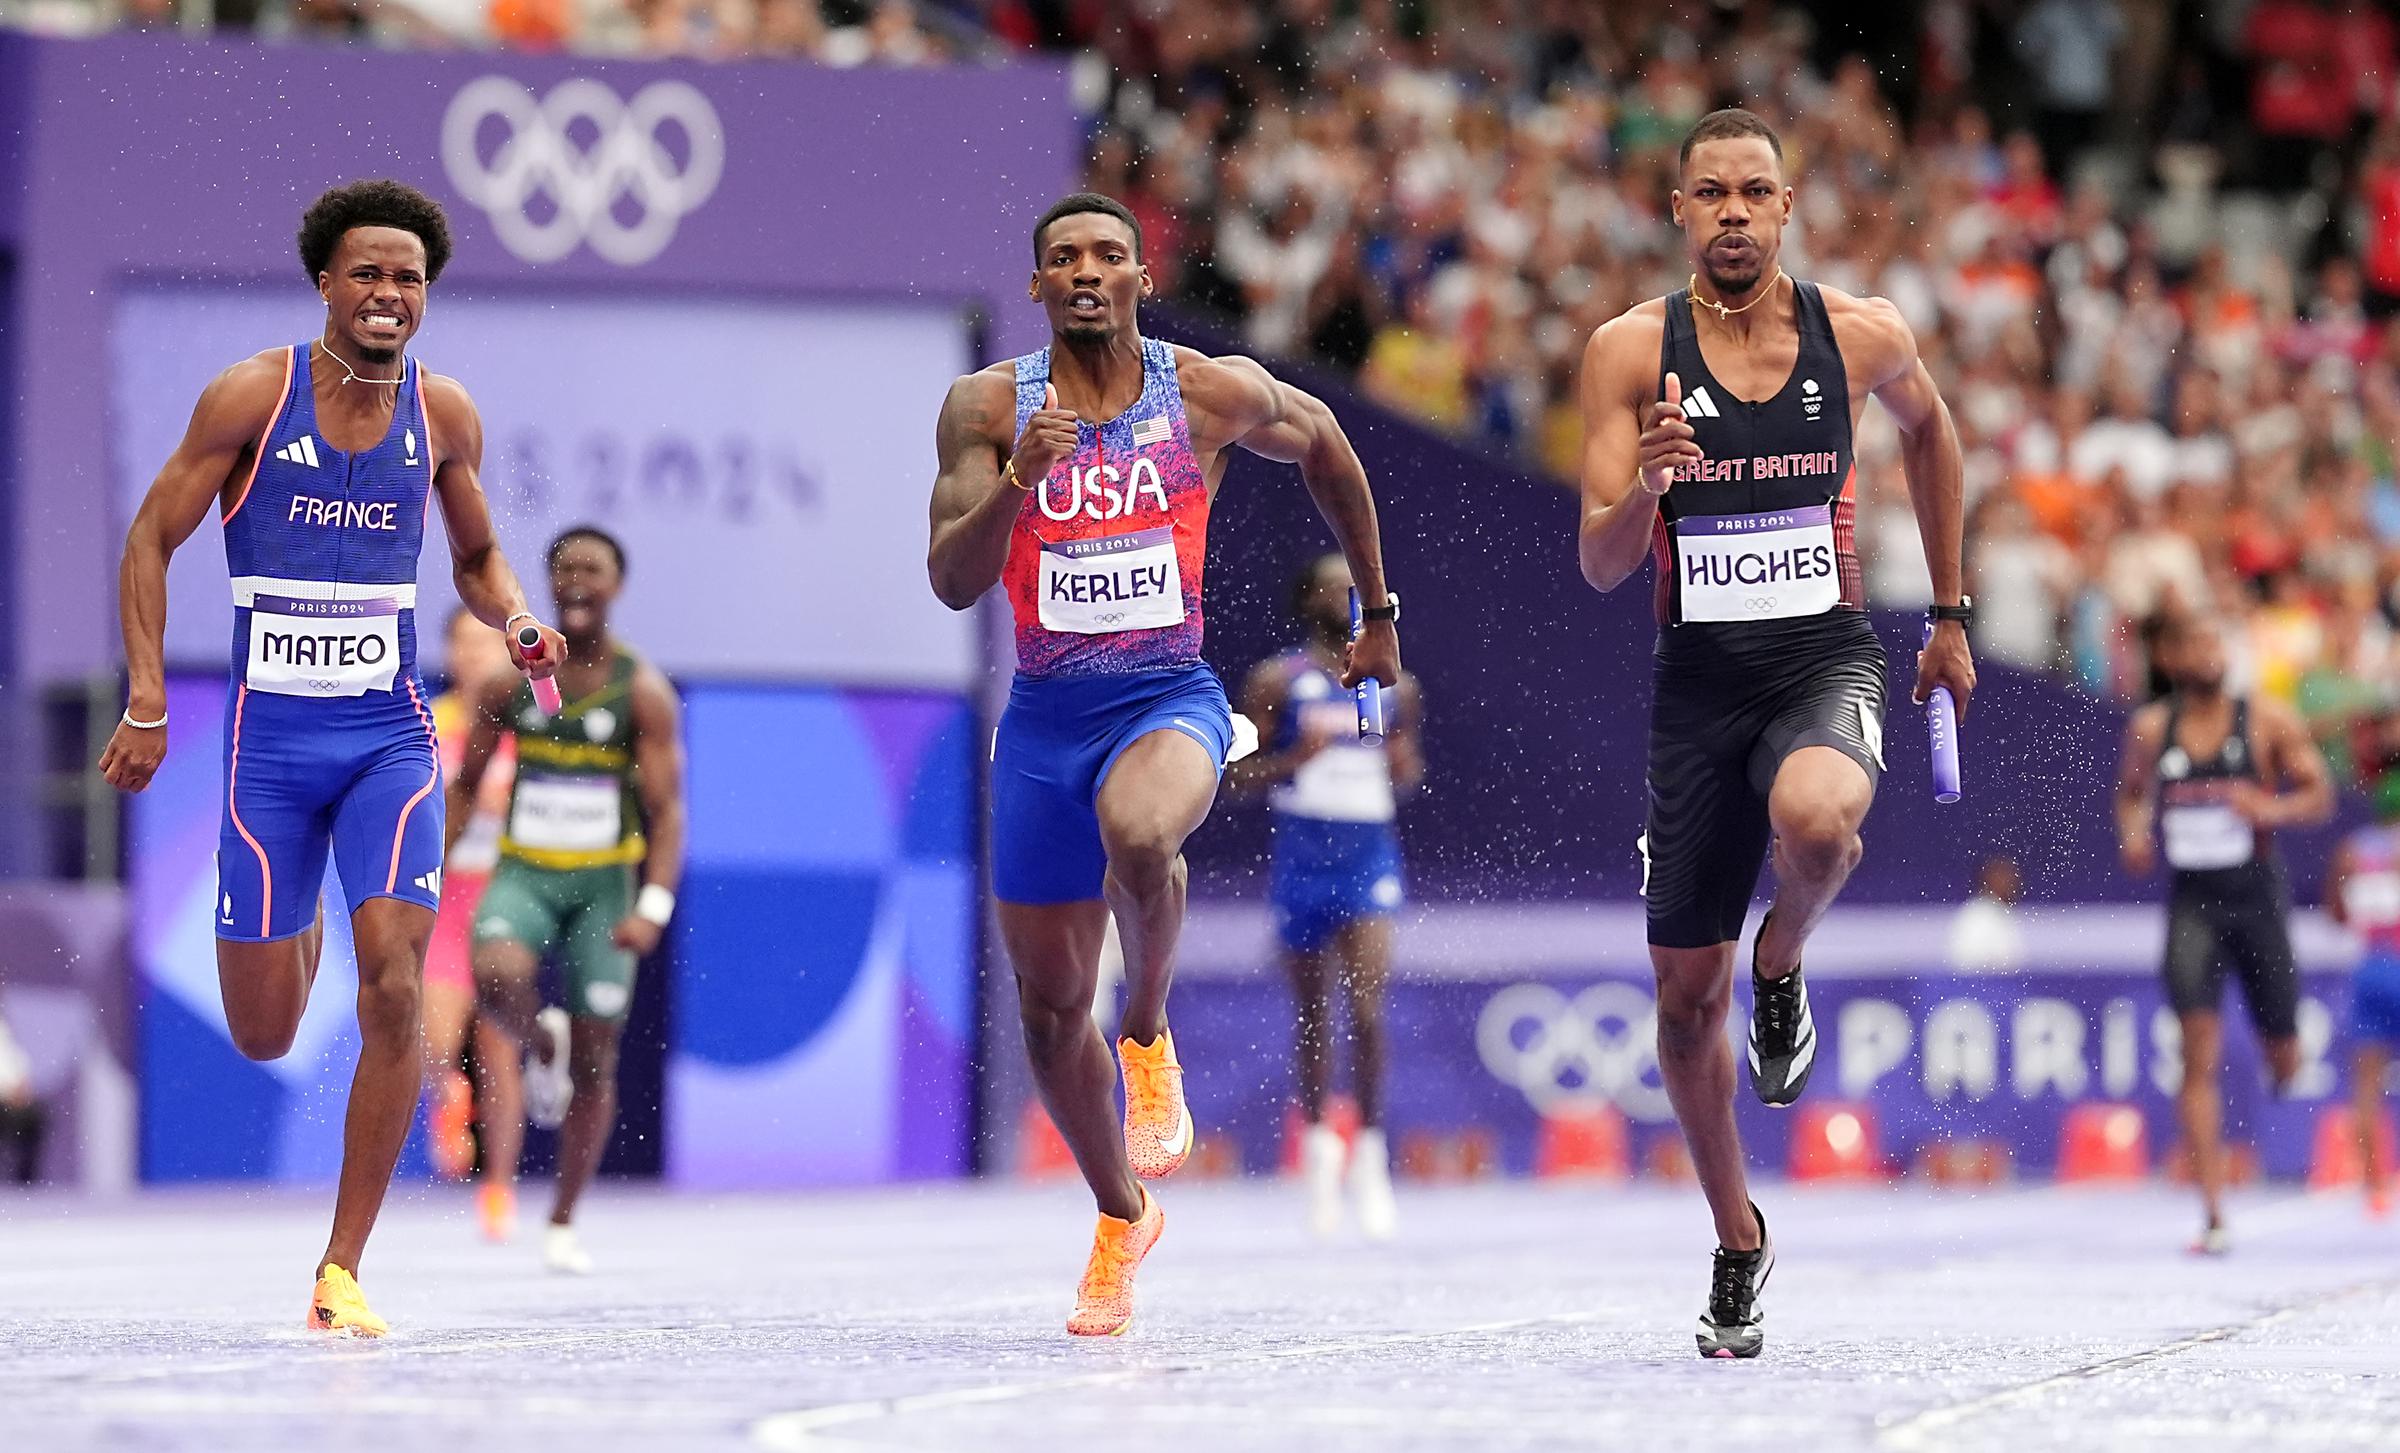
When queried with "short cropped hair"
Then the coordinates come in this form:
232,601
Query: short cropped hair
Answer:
1724,125
1080,203
373,204
593,533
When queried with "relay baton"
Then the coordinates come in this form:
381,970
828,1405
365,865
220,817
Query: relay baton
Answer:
1941,724
1368,691
545,688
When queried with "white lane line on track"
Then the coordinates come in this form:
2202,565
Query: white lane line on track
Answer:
310,1342
1920,1431
798,1429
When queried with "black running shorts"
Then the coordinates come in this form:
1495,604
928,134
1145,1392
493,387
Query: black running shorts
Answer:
2234,921
1729,704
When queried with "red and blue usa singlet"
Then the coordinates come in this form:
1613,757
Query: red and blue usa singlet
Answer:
1104,564
329,743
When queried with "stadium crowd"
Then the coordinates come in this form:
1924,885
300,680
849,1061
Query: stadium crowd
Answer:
2148,260
2148,249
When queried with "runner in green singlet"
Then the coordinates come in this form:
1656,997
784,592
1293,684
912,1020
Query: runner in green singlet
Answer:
599,794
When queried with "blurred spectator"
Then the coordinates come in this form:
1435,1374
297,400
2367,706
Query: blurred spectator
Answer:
1984,934
2298,104
22,1118
2167,396
2070,44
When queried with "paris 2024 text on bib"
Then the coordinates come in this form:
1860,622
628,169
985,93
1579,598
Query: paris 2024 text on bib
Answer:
1772,566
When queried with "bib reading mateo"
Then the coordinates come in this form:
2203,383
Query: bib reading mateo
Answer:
1104,564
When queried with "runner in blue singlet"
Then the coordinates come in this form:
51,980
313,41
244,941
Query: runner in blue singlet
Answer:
1336,880
322,458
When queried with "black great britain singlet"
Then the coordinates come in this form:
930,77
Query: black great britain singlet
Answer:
1755,544
2208,843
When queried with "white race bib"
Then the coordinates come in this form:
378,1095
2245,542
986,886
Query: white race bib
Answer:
1107,583
566,814
2205,835
1763,567
323,647
2372,899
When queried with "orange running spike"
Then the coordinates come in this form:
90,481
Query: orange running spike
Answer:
1158,1125
1104,1299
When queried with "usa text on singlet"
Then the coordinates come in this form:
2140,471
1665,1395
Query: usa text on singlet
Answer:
1104,562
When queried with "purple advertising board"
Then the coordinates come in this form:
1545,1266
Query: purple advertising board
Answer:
137,160
712,307
1537,695
1498,1017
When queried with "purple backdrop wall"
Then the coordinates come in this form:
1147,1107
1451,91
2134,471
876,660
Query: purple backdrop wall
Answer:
1538,694
158,157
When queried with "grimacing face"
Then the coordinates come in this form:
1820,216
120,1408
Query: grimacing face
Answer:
1733,206
374,290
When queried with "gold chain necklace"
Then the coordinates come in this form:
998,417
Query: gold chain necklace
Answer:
1724,312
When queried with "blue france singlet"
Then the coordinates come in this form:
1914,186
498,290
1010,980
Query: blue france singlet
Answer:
323,545
329,744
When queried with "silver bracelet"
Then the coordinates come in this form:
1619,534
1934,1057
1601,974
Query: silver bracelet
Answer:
523,615
144,726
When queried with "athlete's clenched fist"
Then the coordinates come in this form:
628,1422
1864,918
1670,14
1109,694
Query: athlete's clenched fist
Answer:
1667,440
1049,437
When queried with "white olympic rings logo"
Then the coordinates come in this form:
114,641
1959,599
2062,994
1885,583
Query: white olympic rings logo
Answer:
1600,1047
591,156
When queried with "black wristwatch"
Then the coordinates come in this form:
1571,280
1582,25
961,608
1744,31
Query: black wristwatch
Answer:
1963,612
1388,611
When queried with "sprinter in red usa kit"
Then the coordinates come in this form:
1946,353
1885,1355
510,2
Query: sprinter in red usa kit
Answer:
1079,477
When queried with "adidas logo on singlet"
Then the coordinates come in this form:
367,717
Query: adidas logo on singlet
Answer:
302,450
1698,405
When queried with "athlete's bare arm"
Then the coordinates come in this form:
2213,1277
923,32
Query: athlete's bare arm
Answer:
658,780
1633,440
976,496
225,429
1234,402
487,711
2145,734
1264,697
487,585
2300,786
1881,352
2337,884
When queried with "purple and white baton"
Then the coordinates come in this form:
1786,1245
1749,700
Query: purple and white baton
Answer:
1368,691
1941,724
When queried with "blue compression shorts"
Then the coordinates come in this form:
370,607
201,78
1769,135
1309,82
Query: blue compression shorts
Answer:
1328,874
1056,744
356,776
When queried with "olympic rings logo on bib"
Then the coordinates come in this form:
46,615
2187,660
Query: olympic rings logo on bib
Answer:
323,648
1108,583
1776,565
